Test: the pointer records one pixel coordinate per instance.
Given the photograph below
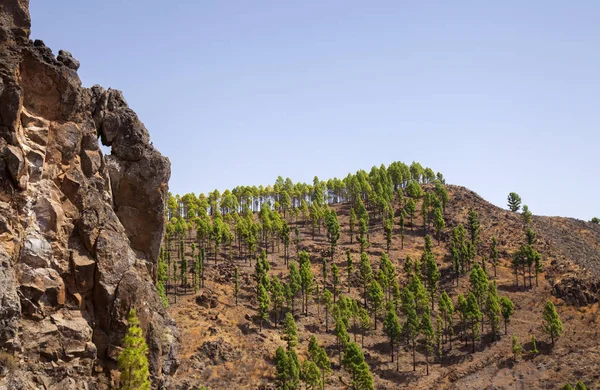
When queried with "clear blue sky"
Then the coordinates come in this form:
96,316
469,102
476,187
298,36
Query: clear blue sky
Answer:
499,96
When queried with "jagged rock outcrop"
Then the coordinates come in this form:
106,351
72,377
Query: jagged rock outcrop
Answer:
80,232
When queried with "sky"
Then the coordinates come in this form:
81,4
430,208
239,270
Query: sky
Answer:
498,96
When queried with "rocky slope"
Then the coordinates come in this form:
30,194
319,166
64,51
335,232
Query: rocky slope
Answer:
79,231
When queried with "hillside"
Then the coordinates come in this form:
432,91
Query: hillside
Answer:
223,347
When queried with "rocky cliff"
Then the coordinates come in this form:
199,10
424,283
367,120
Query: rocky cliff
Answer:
79,231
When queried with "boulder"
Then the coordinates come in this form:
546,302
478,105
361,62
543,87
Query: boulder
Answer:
67,59
36,251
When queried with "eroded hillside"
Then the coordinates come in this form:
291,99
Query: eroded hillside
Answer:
224,348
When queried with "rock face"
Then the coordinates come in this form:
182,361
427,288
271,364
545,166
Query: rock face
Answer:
80,232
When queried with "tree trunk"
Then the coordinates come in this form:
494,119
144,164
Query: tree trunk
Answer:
414,356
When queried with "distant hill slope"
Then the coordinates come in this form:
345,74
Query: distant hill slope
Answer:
212,325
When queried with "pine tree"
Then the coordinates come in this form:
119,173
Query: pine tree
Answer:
342,336
376,298
432,274
580,386
352,224
494,255
526,215
438,220
349,267
474,227
354,363
363,226
552,325
324,271
287,370
263,304
133,360
534,349
517,349
295,283
479,284
311,375
162,277
306,279
202,258
365,323
514,202
392,328
426,329
507,308
411,326
333,230
438,336
184,273
290,331
492,309
175,279
411,209
277,297
335,273
366,274
446,307
327,302
473,314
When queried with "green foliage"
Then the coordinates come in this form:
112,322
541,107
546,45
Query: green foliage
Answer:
318,355
411,325
432,274
133,360
552,325
473,315
287,370
507,308
446,308
414,190
392,328
459,250
290,331
494,254
335,274
580,386
311,375
365,274
426,329
306,278
438,221
263,304
376,299
411,208
363,226
333,230
595,221
354,363
474,227
163,276
514,202
526,215
419,293
479,283
517,349
492,309
534,349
